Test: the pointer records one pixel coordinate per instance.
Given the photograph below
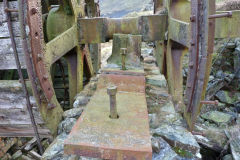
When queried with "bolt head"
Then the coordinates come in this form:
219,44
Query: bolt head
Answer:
112,90
123,51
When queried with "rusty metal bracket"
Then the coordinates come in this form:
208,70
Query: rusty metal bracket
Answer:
100,30
221,15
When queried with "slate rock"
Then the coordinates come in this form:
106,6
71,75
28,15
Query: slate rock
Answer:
162,150
223,96
81,101
178,137
217,117
231,45
233,134
220,74
66,125
56,150
73,113
227,157
149,60
17,154
213,136
156,80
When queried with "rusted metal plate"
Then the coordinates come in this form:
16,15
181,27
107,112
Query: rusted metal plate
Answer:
100,30
125,83
128,137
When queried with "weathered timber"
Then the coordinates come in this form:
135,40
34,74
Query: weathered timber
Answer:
4,30
14,15
7,60
14,117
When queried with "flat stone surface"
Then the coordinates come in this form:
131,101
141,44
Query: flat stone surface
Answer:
157,80
96,135
179,137
217,117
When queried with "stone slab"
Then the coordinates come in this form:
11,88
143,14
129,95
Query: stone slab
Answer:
96,135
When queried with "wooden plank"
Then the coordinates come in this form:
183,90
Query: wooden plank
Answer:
4,33
14,116
7,60
12,5
22,131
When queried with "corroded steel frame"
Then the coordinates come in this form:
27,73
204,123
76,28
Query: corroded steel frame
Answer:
45,54
183,33
177,22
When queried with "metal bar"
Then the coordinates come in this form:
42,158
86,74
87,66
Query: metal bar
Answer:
210,102
213,16
10,10
29,66
112,91
101,30
194,54
123,54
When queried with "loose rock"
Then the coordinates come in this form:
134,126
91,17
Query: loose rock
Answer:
178,137
156,80
162,150
217,117
73,113
66,125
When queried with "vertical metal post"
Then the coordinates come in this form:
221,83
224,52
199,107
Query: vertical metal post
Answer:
123,54
112,91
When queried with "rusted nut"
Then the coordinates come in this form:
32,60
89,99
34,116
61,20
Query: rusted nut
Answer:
192,43
123,54
193,18
191,64
112,91
10,10
33,11
45,77
39,57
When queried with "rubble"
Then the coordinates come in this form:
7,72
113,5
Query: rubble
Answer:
162,150
218,117
73,113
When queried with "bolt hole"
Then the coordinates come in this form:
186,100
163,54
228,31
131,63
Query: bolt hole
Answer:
36,34
33,11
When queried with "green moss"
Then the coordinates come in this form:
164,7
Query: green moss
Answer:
183,153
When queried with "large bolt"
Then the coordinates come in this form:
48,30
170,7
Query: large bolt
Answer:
123,54
112,91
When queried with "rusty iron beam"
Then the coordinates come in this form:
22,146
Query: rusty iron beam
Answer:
10,10
49,107
210,102
221,15
100,30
